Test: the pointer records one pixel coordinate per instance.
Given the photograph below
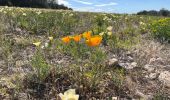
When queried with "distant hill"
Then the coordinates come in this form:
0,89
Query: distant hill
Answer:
162,12
34,4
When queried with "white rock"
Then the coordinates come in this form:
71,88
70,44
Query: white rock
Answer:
152,75
113,62
134,64
114,98
152,60
165,77
149,68
128,65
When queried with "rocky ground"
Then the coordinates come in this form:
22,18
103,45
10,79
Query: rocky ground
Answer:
147,68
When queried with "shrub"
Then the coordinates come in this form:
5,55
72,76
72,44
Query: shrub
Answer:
40,65
161,29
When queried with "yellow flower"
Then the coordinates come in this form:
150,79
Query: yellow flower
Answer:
50,38
101,34
66,39
110,28
87,35
77,38
37,44
109,33
94,41
69,95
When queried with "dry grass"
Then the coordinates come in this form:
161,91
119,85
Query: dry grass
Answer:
46,72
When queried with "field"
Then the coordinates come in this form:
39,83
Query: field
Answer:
56,54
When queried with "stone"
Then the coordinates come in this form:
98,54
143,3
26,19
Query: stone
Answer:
113,62
167,67
1,70
134,64
153,75
18,29
149,68
114,98
22,96
130,58
130,83
128,65
143,96
125,65
165,78
157,60
152,60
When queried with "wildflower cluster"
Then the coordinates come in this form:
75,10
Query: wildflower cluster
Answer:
107,32
87,36
37,44
160,29
143,27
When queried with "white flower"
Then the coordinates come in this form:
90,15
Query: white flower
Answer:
6,6
13,14
46,44
1,9
42,47
39,12
4,12
142,23
69,95
24,14
9,9
71,14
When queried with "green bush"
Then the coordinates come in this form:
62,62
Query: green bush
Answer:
40,65
161,29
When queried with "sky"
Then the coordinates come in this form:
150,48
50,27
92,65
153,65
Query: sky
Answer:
116,6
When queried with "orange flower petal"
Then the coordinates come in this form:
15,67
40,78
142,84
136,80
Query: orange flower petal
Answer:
66,39
77,38
94,41
87,35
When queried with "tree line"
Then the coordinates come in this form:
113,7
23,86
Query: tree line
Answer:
162,12
34,4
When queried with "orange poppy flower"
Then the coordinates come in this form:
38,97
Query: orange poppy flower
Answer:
87,35
94,41
66,39
77,38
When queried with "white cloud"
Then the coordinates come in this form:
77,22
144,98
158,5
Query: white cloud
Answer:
109,4
64,2
83,8
83,2
88,9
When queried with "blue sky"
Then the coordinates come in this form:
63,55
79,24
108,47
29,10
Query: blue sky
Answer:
116,6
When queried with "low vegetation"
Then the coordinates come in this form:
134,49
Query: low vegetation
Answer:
47,54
